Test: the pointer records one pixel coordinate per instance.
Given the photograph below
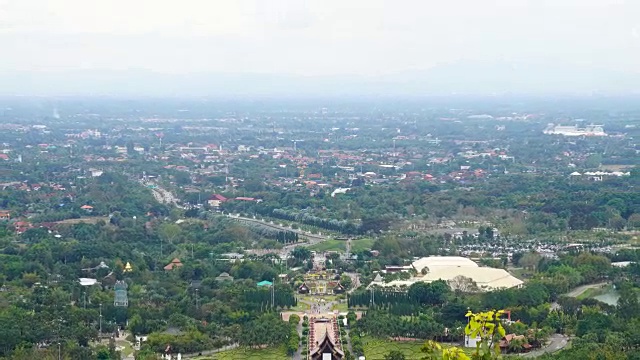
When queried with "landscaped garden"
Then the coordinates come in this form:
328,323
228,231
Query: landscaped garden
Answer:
248,354
376,349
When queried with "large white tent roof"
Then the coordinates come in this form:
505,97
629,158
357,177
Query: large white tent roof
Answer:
447,268
433,263
486,278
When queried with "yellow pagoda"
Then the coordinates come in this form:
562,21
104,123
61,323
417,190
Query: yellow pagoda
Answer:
128,268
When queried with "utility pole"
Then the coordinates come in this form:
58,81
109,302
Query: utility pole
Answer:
273,290
100,333
85,299
59,357
197,303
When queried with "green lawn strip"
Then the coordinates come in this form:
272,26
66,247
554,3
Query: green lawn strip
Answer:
376,349
591,292
342,307
329,245
248,354
361,244
126,347
300,307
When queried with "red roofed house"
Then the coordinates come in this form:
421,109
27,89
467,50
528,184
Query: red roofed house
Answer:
175,263
4,157
87,208
5,215
216,200
22,226
507,339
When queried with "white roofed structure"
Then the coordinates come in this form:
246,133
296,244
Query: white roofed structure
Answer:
433,263
448,268
87,281
486,278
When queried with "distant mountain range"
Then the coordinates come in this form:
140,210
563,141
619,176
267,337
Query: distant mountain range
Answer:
458,78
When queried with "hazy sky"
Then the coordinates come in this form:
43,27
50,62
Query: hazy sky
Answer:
309,37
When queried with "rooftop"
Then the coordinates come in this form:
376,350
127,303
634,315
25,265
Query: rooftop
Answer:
433,263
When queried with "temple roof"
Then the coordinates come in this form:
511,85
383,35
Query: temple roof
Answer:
326,345
327,330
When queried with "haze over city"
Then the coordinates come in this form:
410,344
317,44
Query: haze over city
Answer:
304,47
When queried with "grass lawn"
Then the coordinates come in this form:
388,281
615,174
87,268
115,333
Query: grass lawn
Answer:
592,292
329,245
376,349
361,244
342,307
520,273
127,349
300,307
248,354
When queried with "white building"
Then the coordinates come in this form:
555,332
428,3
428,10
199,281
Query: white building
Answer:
574,130
450,269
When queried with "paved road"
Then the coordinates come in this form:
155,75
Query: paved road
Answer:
298,354
162,195
313,238
556,343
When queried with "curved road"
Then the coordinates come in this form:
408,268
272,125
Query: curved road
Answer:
556,343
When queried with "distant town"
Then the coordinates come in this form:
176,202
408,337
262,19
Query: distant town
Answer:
146,229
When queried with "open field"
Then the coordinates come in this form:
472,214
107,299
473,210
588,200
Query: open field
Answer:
361,244
329,245
248,354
